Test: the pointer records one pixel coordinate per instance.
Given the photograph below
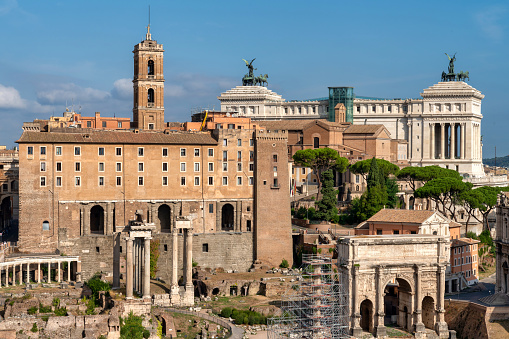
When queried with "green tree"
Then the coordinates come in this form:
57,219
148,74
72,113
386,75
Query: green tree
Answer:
320,160
327,205
131,328
416,175
392,192
446,192
362,167
482,199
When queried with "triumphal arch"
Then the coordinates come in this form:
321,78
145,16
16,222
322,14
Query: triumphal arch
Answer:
395,279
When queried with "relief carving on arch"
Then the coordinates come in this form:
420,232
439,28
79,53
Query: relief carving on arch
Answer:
366,284
429,282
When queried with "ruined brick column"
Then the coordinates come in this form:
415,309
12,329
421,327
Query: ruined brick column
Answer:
380,326
129,268
146,269
419,326
175,298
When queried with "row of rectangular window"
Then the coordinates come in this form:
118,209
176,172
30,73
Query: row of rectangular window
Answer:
118,151
141,181
141,167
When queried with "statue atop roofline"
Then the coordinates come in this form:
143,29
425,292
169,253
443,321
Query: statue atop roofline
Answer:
450,75
250,80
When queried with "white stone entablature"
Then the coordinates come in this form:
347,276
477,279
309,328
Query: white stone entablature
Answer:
260,103
443,128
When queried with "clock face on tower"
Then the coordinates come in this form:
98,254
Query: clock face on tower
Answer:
148,84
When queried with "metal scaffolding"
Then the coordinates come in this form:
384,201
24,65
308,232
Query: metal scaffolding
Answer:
316,306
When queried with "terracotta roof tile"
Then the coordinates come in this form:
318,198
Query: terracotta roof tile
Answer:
398,215
291,125
363,129
70,135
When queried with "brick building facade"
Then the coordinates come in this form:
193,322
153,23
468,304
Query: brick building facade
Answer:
80,187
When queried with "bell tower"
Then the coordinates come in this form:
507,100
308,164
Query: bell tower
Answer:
148,84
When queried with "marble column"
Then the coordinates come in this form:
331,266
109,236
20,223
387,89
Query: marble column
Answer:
462,143
188,265
135,265
442,140
38,272
28,274
146,269
380,326
357,330
49,272
58,272
432,154
419,326
6,275
441,326
129,268
174,261
20,274
68,271
452,152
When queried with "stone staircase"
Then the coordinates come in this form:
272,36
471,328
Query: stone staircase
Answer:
497,299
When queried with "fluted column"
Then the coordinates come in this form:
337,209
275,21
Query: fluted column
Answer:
380,327
432,153
419,326
146,269
188,277
129,268
174,263
357,330
441,326
453,142
442,140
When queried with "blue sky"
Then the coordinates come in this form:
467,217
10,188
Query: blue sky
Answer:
58,52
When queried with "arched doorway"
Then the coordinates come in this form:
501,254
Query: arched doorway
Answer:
5,213
164,216
428,312
316,142
227,217
366,312
398,297
97,220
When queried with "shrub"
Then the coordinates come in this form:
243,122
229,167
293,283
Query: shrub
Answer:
226,312
55,302
32,310
34,328
90,307
61,312
97,285
131,328
284,264
44,309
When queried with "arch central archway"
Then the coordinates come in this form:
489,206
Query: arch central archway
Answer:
227,217
398,297
164,217
97,220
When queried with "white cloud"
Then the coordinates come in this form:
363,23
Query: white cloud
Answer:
491,22
68,92
123,88
10,98
197,85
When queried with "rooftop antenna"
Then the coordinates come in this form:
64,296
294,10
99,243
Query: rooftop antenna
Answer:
148,36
